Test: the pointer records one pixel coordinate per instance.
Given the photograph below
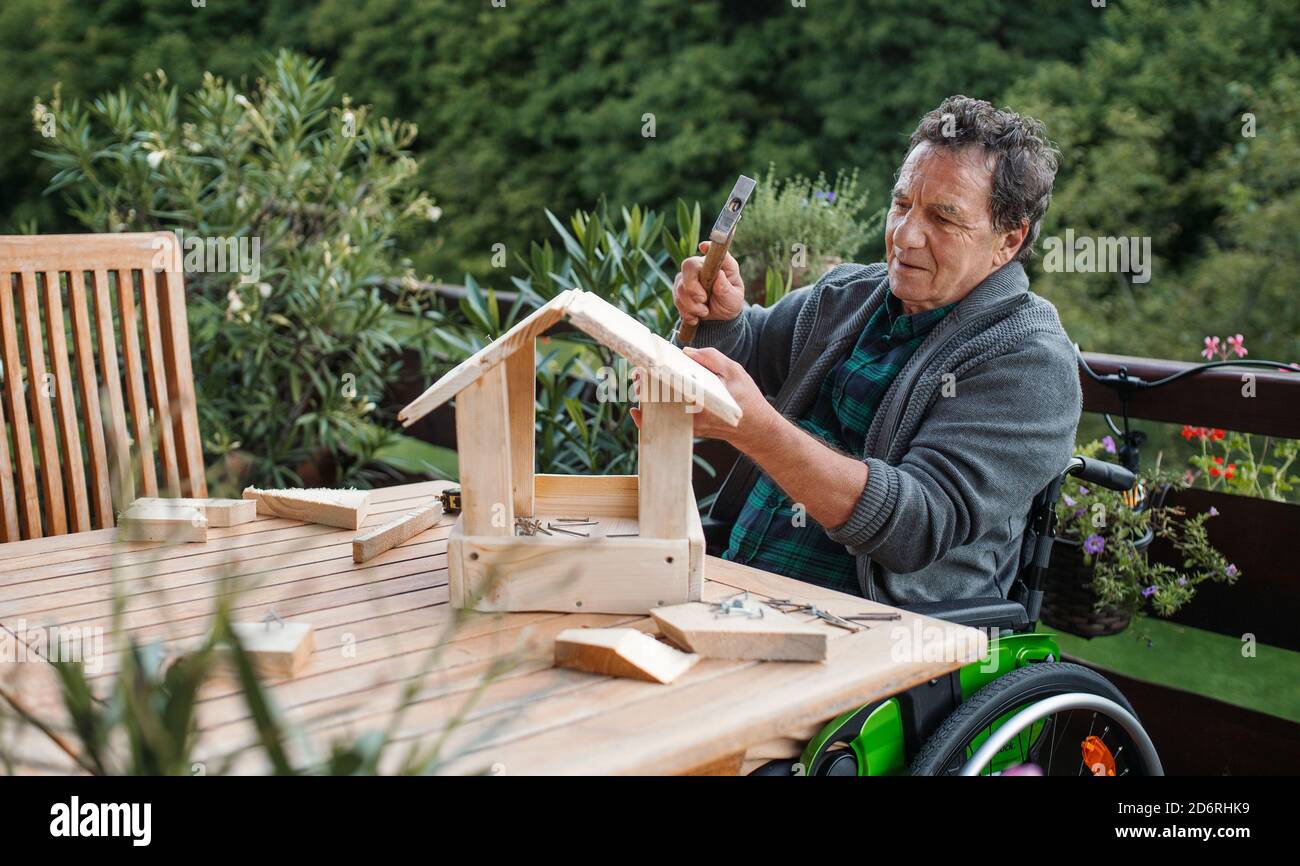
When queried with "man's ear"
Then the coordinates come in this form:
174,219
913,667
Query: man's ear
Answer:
1009,244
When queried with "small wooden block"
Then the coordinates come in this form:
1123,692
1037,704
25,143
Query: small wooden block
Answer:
219,512
278,650
375,541
621,652
776,636
343,508
162,523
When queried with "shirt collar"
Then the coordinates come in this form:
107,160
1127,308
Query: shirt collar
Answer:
906,326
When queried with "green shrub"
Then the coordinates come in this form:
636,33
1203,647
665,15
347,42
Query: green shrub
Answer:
289,367
794,229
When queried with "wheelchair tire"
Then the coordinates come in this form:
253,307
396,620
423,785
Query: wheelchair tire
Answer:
950,745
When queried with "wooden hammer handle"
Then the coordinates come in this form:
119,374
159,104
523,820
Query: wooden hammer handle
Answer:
708,276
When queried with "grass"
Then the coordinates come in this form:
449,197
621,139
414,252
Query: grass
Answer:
1199,661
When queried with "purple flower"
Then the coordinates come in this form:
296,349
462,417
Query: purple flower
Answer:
1231,570
1182,581
1069,503
1083,491
827,196
1078,512
1149,591
1094,544
1109,444
1214,512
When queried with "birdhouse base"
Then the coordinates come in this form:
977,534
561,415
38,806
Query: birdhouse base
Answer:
608,571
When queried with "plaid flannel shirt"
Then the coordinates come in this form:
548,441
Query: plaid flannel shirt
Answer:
769,533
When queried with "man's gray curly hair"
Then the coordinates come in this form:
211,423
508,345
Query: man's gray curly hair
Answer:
1024,161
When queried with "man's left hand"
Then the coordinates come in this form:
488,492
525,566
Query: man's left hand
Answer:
758,414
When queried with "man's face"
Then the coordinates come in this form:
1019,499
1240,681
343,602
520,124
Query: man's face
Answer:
939,237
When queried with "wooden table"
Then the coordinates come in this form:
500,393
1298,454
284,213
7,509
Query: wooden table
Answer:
376,624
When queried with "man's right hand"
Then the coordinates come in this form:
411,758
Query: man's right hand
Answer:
723,303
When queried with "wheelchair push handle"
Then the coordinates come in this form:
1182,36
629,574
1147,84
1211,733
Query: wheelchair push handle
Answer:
1109,475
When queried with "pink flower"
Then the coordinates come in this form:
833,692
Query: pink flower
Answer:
1109,444
1211,347
1238,345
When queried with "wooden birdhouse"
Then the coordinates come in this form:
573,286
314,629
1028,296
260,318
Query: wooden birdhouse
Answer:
601,544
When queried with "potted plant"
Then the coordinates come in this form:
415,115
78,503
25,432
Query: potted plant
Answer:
1099,574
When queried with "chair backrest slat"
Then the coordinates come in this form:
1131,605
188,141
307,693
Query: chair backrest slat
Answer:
180,384
38,388
135,396
61,389
117,439
100,487
9,528
158,382
29,498
68,451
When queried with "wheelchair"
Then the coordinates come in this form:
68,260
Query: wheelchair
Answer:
1020,710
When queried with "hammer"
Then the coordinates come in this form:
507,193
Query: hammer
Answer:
724,229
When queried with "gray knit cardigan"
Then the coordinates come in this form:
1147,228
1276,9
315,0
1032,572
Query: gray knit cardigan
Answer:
980,418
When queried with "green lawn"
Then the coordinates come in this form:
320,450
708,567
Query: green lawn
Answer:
1198,661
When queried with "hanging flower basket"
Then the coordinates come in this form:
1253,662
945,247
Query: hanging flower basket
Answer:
1069,603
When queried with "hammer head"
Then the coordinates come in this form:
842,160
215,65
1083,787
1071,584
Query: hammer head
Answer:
731,211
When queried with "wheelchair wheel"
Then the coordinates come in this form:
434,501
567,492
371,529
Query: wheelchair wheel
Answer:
1076,738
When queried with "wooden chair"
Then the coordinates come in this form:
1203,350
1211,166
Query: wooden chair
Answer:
62,410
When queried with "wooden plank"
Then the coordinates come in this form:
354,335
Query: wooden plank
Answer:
674,375
487,503
621,652
467,372
277,649
586,495
342,508
219,512
266,537
180,381
165,523
158,382
775,636
92,418
74,468
612,575
671,374
664,449
119,442
402,496
1215,398
10,530
370,544
521,403
47,442
717,708
29,505
135,392
101,251
695,538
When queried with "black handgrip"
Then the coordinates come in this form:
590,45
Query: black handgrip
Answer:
1109,475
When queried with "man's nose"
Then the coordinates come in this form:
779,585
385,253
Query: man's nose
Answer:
908,233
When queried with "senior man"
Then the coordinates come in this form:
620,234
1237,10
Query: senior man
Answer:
899,417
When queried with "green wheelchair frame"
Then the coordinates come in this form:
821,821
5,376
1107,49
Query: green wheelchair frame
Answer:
886,737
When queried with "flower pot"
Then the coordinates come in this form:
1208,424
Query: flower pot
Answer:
1069,603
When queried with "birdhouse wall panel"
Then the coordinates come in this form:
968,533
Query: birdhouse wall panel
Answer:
521,396
665,469
583,495
483,449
